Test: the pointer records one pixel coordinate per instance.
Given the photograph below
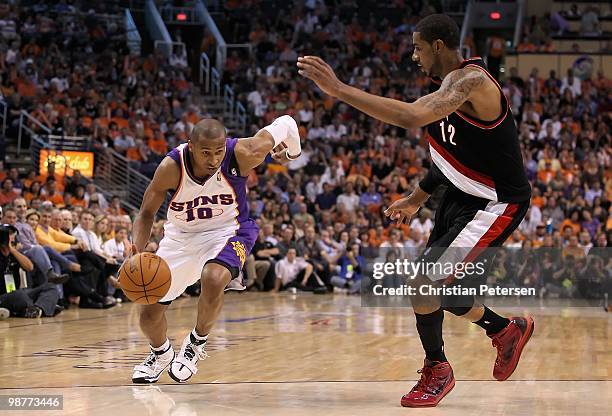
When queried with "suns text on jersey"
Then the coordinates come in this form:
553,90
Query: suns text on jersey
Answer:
197,208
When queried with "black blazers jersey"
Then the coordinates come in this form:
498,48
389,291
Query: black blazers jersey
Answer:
481,158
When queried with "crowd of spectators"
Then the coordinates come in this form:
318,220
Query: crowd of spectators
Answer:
540,32
321,216
353,165
72,71
74,243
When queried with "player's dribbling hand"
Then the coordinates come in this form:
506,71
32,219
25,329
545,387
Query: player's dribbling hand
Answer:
317,70
402,210
131,249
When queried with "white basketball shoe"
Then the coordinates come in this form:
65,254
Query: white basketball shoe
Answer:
153,366
184,365
236,284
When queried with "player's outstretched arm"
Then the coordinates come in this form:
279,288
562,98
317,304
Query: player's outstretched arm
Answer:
166,177
456,89
281,137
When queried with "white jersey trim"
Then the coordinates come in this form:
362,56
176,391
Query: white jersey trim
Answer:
461,181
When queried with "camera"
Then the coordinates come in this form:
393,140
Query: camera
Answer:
5,231
4,236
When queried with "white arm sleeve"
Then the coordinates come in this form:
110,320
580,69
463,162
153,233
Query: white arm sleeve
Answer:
285,130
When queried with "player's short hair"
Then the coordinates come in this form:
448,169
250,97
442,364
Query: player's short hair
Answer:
208,128
439,26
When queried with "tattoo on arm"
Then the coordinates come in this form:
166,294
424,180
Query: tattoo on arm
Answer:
454,91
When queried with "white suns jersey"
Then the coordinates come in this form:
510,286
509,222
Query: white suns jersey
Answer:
215,204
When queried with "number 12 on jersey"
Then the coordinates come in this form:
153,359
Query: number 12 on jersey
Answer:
451,130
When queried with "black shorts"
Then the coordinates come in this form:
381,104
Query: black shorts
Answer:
465,225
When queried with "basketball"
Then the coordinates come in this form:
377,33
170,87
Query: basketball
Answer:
145,278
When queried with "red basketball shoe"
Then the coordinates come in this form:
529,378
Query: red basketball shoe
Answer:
510,342
435,383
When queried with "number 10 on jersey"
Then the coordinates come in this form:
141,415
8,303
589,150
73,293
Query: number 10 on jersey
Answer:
450,129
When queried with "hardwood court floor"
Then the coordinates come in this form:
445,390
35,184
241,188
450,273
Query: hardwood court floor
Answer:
302,355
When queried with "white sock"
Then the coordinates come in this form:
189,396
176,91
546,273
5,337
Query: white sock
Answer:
198,339
163,348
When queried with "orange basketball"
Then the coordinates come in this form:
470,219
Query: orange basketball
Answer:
145,278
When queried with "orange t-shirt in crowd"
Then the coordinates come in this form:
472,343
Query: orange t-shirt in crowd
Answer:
345,160
102,122
115,211
526,47
8,198
274,168
148,65
133,154
56,198
192,117
537,201
364,171
121,122
395,196
78,202
413,170
86,122
158,146
26,89
148,132
545,176
496,49
575,226
59,181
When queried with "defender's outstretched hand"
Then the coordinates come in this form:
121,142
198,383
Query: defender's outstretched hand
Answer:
402,210
317,70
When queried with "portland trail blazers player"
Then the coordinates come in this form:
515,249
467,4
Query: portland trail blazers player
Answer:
475,152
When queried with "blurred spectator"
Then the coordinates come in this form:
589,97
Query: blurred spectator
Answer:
571,83
20,301
116,247
39,256
350,270
8,193
47,236
589,24
293,271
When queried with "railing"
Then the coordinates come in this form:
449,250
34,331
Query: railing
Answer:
38,143
205,72
453,6
465,27
3,114
241,116
518,29
134,41
239,46
216,82
114,174
78,143
167,47
210,77
155,25
24,126
228,99
206,19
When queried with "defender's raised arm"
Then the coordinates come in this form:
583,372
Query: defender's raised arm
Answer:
456,89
